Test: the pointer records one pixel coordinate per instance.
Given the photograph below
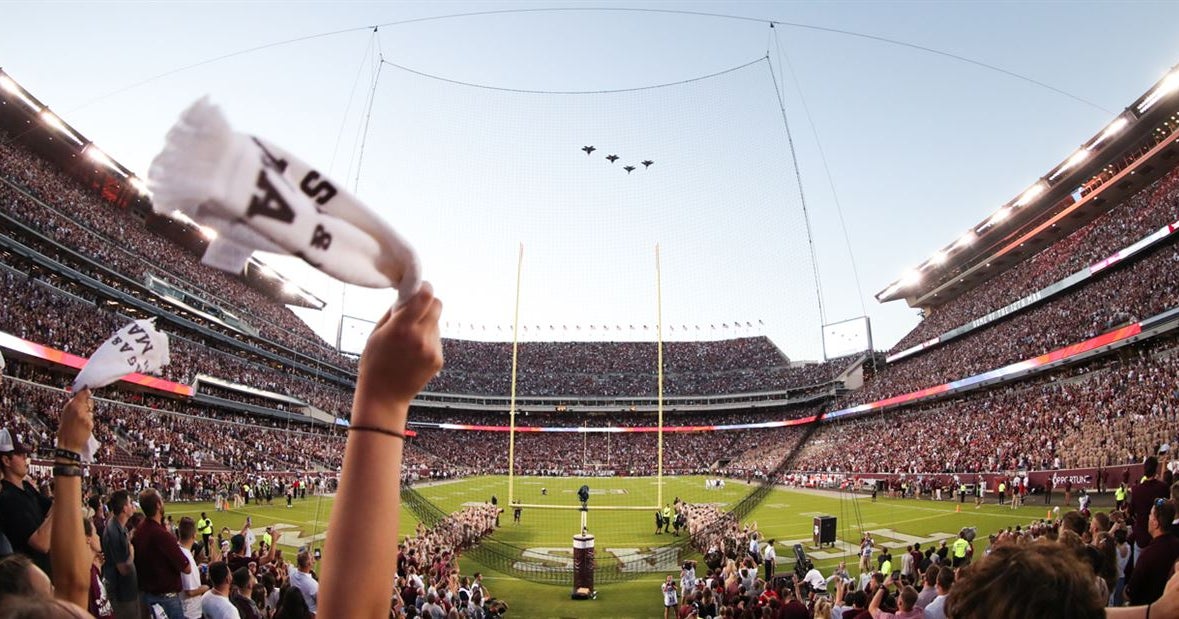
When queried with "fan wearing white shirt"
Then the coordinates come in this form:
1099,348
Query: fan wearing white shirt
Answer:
937,608
215,603
191,588
769,559
302,580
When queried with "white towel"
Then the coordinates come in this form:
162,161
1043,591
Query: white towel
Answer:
258,196
137,347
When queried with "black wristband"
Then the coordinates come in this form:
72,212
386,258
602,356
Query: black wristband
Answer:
62,470
386,431
66,454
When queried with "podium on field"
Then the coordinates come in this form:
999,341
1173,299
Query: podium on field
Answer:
824,530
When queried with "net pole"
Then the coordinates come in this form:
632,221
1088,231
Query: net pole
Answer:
659,371
512,404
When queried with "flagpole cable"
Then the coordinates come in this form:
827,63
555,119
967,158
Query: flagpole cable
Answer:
372,96
801,197
784,61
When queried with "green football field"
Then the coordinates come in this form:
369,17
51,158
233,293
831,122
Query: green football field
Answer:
544,535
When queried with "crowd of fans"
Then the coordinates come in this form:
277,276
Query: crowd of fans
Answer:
143,430
1130,293
36,312
1150,209
628,369
1109,412
103,230
738,453
1082,564
614,419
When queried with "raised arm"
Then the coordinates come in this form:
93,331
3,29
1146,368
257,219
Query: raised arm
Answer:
69,553
403,353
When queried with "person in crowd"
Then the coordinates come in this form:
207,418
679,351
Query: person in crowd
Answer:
769,559
929,587
242,592
907,603
936,609
215,602
304,581
99,604
1156,561
671,598
293,606
158,560
1143,497
205,528
118,567
25,514
190,581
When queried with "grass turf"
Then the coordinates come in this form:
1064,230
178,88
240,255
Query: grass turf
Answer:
785,515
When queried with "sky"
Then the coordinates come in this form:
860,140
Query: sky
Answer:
898,149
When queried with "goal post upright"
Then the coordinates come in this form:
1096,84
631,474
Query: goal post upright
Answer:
512,399
659,371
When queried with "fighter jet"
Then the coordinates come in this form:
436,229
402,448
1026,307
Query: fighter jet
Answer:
588,149
647,163
612,158
628,169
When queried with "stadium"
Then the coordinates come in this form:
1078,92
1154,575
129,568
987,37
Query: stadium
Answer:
639,354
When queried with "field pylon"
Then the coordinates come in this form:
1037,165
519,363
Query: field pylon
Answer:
958,508
1049,516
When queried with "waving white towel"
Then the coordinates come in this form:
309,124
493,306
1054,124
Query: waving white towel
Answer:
258,196
137,347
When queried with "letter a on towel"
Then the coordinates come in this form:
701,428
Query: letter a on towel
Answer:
258,196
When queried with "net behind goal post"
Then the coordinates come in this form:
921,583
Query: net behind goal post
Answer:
719,200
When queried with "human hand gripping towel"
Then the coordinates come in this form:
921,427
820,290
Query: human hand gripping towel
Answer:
257,196
137,347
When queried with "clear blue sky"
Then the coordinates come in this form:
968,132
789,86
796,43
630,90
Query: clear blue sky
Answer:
920,146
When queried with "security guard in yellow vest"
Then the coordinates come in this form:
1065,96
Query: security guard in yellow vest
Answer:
205,528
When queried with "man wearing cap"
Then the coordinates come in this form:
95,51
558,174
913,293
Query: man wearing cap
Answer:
25,516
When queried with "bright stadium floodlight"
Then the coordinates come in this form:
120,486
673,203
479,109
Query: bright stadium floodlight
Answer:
95,154
289,288
1169,85
8,85
1113,129
965,239
1031,194
911,278
1000,215
139,185
52,120
938,258
207,232
1071,163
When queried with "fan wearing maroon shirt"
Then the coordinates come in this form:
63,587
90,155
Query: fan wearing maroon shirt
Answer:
158,560
1142,498
1155,563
